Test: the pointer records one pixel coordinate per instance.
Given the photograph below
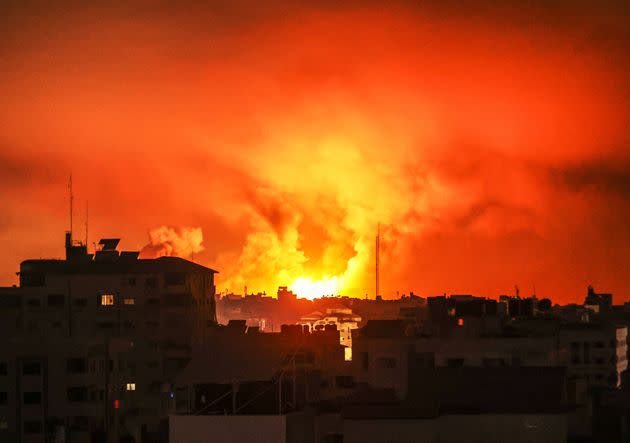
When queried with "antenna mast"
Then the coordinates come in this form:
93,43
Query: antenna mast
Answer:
71,202
87,218
377,250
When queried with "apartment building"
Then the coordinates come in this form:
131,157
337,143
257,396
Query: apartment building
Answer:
95,342
598,352
387,353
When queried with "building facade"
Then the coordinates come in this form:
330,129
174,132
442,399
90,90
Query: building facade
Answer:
96,341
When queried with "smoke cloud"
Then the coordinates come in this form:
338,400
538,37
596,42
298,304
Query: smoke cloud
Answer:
488,139
169,241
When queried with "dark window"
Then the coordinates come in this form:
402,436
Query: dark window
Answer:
425,360
587,353
3,368
344,381
174,278
365,361
32,398
153,302
32,279
76,365
129,325
10,301
455,362
77,394
332,438
132,281
386,362
179,300
173,323
599,344
56,300
153,364
151,282
3,398
171,364
105,324
33,303
33,427
575,353
80,423
309,357
80,302
31,368
493,362
599,361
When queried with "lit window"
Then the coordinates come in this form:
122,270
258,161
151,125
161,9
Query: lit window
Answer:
131,386
460,322
347,351
107,300
129,301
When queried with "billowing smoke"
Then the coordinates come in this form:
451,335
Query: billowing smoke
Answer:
489,142
171,241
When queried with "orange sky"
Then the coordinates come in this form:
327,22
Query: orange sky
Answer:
489,139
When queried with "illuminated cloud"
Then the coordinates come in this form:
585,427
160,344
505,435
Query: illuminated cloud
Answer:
169,241
488,138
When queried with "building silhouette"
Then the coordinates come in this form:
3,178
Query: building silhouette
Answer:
93,342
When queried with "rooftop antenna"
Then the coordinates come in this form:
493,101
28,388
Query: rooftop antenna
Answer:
71,201
87,218
377,252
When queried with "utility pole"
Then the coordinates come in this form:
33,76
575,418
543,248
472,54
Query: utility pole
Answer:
280,394
294,386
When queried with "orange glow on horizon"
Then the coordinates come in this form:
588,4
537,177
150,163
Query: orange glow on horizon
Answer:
305,287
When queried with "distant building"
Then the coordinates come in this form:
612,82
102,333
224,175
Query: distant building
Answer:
384,351
598,352
598,302
342,318
243,371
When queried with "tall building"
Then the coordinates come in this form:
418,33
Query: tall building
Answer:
93,343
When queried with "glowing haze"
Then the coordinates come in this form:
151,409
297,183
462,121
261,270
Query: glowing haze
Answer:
268,139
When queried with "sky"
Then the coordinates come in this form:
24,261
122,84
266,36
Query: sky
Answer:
268,140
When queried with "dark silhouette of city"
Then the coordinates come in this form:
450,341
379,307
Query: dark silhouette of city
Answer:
107,346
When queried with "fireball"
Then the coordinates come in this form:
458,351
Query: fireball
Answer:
306,287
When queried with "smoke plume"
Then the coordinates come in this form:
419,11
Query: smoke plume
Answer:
170,241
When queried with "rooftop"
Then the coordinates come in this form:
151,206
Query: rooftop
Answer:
120,264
